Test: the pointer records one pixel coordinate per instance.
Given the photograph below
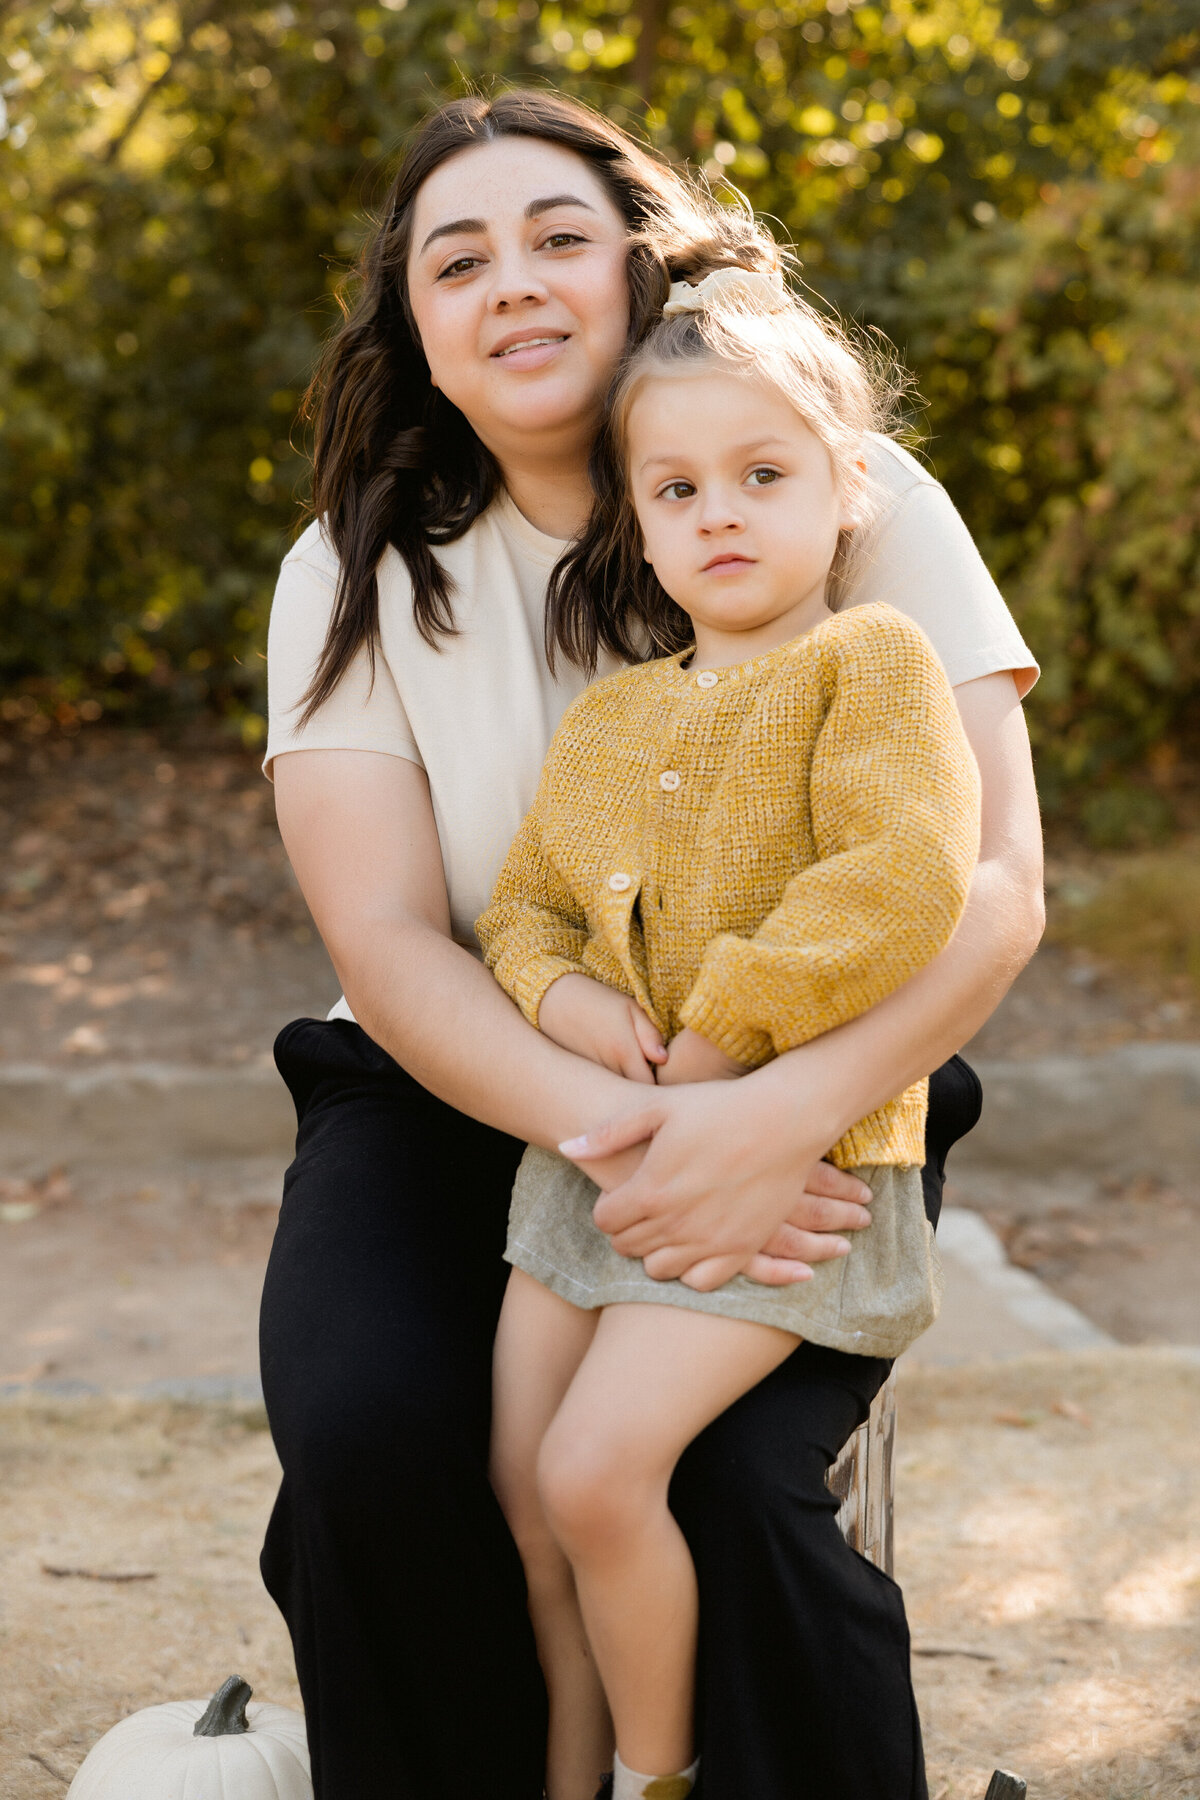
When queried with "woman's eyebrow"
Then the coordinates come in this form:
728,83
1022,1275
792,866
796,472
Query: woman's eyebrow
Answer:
537,207
474,227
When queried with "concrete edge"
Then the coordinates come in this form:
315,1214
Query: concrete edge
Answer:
1124,1112
188,1390
969,1239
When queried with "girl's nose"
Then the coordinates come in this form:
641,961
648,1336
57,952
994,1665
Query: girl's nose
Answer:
719,514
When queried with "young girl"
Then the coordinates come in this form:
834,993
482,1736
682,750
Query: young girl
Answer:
733,849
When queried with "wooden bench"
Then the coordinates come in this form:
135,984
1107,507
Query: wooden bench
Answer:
863,1480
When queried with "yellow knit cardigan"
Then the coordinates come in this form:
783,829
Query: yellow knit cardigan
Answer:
759,853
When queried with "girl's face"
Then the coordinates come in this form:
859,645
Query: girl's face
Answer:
738,504
517,279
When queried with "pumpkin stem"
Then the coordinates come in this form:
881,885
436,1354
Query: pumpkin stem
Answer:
225,1714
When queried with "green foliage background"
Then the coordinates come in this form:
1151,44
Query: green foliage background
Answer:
1010,189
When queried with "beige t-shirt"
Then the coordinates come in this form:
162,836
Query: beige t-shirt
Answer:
478,714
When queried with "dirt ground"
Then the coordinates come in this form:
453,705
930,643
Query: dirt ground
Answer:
155,1282
147,911
160,1280
1129,1259
1054,1589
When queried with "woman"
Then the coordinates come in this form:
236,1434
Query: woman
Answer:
411,705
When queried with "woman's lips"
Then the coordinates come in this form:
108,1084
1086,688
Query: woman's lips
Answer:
532,354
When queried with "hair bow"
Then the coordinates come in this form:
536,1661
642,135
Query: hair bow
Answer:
761,288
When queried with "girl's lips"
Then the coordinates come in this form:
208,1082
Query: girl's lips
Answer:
727,565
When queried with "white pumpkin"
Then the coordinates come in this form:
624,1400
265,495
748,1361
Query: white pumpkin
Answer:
214,1749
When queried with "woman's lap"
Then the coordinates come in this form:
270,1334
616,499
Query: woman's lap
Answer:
804,1684
387,1552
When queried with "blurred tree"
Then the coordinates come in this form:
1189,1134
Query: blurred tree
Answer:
184,184
1062,359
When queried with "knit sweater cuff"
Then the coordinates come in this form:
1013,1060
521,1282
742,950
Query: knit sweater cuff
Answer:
894,1134
530,984
705,1014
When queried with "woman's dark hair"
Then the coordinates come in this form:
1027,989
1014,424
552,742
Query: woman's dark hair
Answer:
394,462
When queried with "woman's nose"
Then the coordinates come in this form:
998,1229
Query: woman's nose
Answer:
515,283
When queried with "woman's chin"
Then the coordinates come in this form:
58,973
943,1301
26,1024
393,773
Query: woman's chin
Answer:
546,410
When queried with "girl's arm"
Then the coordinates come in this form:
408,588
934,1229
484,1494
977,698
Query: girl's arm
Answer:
359,830
895,818
726,1160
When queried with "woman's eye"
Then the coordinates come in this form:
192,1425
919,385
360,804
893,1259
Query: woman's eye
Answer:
763,477
459,266
562,239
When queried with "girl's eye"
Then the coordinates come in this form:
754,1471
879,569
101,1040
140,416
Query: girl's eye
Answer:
763,477
676,490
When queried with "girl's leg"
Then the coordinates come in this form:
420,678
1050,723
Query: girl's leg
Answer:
653,1378
540,1342
387,1552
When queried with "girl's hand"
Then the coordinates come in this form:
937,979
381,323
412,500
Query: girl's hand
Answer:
691,1057
607,1027
720,1188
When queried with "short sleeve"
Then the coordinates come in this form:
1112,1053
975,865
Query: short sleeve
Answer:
361,713
922,560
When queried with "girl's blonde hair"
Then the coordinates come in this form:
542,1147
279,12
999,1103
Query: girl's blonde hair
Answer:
845,387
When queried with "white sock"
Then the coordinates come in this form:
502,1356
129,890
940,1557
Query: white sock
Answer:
629,1785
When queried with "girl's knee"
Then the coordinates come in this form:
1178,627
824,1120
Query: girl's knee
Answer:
591,1491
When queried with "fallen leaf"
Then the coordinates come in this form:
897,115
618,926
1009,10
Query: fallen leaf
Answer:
100,1574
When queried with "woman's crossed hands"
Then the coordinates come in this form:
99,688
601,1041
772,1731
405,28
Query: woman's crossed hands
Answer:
693,1182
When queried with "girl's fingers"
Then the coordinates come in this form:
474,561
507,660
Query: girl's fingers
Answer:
649,1037
634,1067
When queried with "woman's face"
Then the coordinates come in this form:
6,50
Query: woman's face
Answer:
518,284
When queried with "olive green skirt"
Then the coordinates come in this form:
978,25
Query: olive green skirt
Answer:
873,1302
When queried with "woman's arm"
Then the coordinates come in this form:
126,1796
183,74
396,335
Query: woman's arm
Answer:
359,830
726,1160
360,834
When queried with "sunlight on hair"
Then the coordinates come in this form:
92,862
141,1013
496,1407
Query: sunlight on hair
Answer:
843,386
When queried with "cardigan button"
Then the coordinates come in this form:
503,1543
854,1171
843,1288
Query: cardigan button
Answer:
706,678
619,881
669,780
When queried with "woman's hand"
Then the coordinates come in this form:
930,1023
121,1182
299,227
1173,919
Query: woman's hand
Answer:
720,1186
602,1024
